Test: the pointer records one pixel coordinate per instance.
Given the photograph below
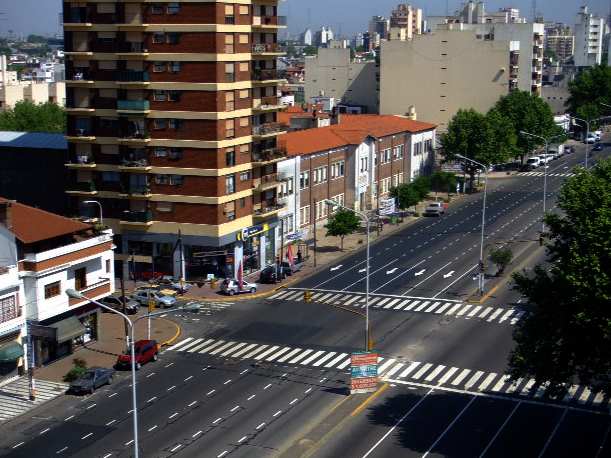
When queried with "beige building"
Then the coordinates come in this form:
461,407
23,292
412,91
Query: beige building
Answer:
334,74
405,22
435,75
560,40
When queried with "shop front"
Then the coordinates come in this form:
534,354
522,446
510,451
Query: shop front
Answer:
255,248
11,356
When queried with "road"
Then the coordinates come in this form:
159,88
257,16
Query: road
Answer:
256,378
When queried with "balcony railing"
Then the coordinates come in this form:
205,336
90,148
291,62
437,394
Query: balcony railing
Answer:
107,103
268,128
134,162
81,132
133,105
83,186
260,48
267,155
265,102
264,75
82,159
137,217
266,209
79,75
132,76
132,46
139,190
76,16
135,134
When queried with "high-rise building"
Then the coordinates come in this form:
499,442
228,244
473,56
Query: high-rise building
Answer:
560,40
405,21
378,30
589,37
306,37
323,36
172,128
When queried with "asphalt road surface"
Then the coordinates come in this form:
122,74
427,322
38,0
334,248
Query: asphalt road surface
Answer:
254,378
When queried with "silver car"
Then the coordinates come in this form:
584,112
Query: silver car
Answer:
161,300
231,287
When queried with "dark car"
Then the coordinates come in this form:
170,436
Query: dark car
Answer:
290,270
598,147
271,274
145,351
116,303
91,379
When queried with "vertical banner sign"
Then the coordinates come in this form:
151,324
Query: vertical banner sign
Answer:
364,370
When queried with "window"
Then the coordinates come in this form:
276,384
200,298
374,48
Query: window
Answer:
52,290
243,66
106,8
321,209
245,176
174,96
304,180
244,10
159,67
320,175
364,164
156,9
337,169
229,211
339,199
417,149
159,37
229,43
9,309
304,215
398,152
287,225
230,184
111,177
173,38
243,39
229,128
160,123
244,122
80,278
165,207
175,124
172,180
160,151
244,94
107,263
428,146
244,149
385,156
286,188
175,67
159,96
173,8
243,202
230,158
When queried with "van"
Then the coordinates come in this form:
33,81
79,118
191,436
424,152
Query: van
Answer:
533,163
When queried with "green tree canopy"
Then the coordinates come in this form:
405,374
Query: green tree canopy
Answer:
29,117
588,90
567,337
342,223
407,195
529,113
443,181
310,50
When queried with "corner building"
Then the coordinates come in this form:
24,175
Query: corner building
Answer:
172,127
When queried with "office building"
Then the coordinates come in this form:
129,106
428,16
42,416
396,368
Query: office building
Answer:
589,37
405,22
560,41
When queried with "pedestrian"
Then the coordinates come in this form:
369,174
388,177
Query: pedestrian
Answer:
299,256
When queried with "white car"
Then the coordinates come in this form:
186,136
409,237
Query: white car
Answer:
231,287
591,139
533,162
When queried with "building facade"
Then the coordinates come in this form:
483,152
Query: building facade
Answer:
49,254
589,37
405,22
560,40
173,106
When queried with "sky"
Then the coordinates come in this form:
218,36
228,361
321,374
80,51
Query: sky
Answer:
349,16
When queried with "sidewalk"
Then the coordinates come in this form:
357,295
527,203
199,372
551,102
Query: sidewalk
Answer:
104,352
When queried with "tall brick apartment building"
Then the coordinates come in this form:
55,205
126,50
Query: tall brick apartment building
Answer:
172,128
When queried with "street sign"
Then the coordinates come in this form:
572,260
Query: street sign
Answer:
364,372
387,206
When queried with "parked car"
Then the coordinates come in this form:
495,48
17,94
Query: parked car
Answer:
435,209
598,147
569,149
116,303
161,300
591,139
231,287
91,379
290,269
598,134
533,163
271,275
144,351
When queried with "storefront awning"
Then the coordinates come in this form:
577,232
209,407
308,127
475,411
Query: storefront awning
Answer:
10,352
68,329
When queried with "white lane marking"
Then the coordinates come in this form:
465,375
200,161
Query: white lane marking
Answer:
328,356
464,310
455,281
192,404
461,377
175,414
234,409
152,428
171,388
243,350
18,445
496,435
499,384
210,392
128,443
110,422
289,355
434,373
454,309
251,397
333,269
226,382
91,406
293,401
61,450
242,439
474,311
485,312
260,426
232,349
197,434
391,430
487,381
443,307
114,394
432,307
496,313
344,364
308,390
394,370
222,454
151,399
385,365
179,344
44,431
312,357
266,352
175,448
421,371
336,360
217,420
301,356
267,386
409,369
447,375
277,413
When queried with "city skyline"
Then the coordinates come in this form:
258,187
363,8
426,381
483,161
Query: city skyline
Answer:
341,15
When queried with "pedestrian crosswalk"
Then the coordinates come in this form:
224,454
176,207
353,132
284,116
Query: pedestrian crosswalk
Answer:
540,174
491,314
15,400
390,369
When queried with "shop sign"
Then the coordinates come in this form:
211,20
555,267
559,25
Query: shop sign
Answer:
252,231
301,234
364,372
387,206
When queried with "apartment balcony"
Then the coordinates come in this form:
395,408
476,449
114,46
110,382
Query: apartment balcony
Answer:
263,75
269,129
268,103
82,76
83,161
266,182
263,49
83,135
105,103
136,219
132,77
82,188
135,165
269,22
132,48
267,156
267,210
133,106
137,191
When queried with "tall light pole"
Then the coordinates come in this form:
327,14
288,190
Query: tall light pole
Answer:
95,202
74,294
587,123
547,142
481,249
364,216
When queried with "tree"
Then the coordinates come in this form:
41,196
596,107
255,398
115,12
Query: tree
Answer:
36,39
471,135
588,90
567,337
342,223
406,194
529,113
443,181
422,185
28,117
501,257
310,50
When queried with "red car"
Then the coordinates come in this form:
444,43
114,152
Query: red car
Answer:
144,350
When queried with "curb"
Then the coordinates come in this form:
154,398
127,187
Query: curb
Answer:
174,338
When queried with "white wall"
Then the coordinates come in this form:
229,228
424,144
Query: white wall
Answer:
420,162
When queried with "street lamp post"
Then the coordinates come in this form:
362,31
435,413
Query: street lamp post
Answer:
587,123
132,324
364,216
481,249
89,202
547,142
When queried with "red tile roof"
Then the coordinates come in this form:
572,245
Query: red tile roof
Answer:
32,225
352,130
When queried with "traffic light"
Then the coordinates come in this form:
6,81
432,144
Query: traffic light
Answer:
307,296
